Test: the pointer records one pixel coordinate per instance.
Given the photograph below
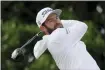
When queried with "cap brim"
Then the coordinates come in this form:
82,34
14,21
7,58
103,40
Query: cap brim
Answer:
56,11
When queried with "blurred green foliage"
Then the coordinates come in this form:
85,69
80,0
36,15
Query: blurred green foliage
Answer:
15,32
14,35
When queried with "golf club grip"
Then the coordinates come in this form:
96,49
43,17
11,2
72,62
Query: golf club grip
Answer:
30,40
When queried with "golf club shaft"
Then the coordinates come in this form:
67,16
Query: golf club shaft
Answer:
30,40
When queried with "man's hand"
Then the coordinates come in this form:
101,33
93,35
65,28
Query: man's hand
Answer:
17,55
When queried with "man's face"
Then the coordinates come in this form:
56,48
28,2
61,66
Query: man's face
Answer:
52,22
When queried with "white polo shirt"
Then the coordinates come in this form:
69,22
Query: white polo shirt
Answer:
66,48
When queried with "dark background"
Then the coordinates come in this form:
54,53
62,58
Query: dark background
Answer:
18,26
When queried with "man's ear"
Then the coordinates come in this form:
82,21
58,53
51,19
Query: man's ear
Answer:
42,28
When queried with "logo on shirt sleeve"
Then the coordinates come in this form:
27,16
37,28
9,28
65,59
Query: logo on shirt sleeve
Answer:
67,30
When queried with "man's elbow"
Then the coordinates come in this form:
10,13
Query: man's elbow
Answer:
83,26
80,25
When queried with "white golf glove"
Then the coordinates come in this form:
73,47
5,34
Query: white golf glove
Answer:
15,53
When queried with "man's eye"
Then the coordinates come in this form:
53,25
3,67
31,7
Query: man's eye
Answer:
50,20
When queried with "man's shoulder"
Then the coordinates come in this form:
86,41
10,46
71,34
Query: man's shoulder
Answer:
57,34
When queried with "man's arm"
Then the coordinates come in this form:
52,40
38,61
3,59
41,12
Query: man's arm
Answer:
69,23
40,47
74,32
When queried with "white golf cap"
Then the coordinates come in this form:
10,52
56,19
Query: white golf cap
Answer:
44,13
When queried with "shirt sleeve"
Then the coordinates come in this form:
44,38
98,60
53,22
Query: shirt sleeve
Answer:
68,23
74,32
40,47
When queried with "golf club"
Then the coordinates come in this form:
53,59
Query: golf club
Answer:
20,50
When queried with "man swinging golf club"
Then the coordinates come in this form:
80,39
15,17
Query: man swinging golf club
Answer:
63,40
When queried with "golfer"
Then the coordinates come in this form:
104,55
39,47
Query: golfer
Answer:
63,40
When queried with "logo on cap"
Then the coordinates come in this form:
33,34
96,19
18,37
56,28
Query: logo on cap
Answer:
46,11
39,22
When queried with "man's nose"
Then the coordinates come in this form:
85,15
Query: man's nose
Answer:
57,21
